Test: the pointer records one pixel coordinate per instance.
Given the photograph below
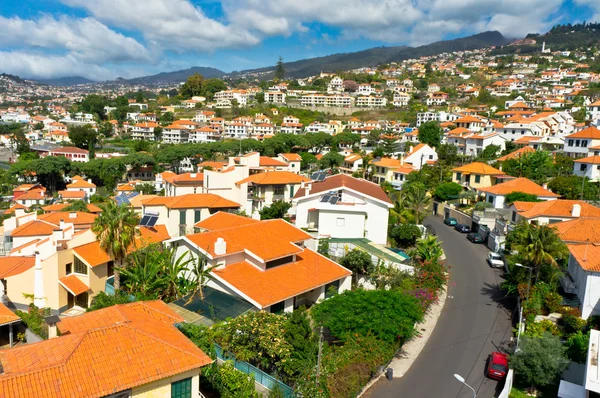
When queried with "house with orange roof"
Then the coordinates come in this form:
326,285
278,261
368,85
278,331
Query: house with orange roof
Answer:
293,160
496,194
88,188
352,164
266,263
265,188
580,144
24,188
384,168
182,184
56,207
523,151
133,350
420,155
180,213
593,112
32,197
342,206
554,211
476,175
588,166
72,153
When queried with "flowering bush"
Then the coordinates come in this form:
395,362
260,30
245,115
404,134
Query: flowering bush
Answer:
425,296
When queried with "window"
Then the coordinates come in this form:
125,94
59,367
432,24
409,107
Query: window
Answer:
491,199
69,268
275,309
278,189
182,217
332,288
576,142
583,167
458,176
182,388
584,143
80,267
340,222
570,142
279,261
196,216
477,179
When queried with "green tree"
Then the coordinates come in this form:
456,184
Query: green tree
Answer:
536,166
577,347
447,191
84,137
17,138
94,104
145,189
77,205
417,202
302,341
158,132
278,209
50,171
115,229
308,159
359,262
563,165
520,197
323,248
428,249
230,382
389,146
447,154
192,87
431,134
104,300
398,213
405,235
540,360
260,97
331,160
212,86
279,69
569,187
166,118
490,152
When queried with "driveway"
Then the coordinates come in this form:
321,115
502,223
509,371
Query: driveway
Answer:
475,321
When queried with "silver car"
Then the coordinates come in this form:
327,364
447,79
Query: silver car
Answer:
495,260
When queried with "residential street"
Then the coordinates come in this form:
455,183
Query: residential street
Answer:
474,323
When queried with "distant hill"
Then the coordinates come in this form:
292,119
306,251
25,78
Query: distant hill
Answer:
177,76
65,81
381,55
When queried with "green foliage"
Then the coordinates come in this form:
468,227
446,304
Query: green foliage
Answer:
577,347
352,313
33,319
537,166
520,197
93,104
358,261
103,172
212,86
538,329
405,235
570,187
49,171
446,191
417,201
199,335
540,360
84,137
77,205
308,159
278,209
145,189
279,69
230,382
17,137
428,249
323,248
331,160
572,324
192,87
481,206
490,152
103,300
431,134
303,343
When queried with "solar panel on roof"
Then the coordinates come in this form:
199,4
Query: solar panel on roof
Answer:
144,220
334,200
314,176
321,177
152,221
325,198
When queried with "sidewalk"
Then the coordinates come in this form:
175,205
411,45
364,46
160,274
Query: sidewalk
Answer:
411,350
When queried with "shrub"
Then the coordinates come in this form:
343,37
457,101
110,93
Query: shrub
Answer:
358,261
405,235
552,301
577,347
34,320
103,300
540,360
230,382
572,324
538,329
520,197
430,275
199,335
386,314
446,191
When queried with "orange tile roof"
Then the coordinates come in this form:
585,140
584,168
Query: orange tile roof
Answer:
74,217
222,220
274,178
516,154
309,271
387,162
523,206
34,228
579,230
92,254
526,140
34,194
292,157
138,200
468,119
458,132
478,168
125,187
15,265
192,201
589,159
590,132
187,179
214,165
342,180
268,239
92,208
72,194
14,207
7,316
95,357
560,208
81,184
524,185
270,162
587,255
73,284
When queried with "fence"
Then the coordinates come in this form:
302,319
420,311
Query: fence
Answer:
260,377
507,385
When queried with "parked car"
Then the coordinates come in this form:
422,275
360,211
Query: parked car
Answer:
495,260
450,221
475,237
430,230
462,228
497,366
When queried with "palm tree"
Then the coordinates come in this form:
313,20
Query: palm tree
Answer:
417,201
115,229
539,245
143,273
428,249
399,213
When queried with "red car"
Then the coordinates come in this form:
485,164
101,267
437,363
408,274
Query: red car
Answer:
497,366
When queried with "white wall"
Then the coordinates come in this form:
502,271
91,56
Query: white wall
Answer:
341,224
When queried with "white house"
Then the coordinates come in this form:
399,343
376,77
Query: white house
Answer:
580,143
81,185
275,97
420,155
342,206
587,167
265,262
72,153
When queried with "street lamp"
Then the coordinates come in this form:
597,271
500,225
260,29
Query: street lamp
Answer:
462,380
521,309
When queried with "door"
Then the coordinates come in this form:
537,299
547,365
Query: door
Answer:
70,300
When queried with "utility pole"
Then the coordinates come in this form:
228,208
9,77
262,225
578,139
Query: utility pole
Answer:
319,354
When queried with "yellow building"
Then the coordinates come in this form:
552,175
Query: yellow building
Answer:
384,168
476,175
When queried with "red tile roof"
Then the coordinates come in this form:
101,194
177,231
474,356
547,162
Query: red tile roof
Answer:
274,178
519,185
102,352
222,220
34,228
7,316
587,255
73,284
193,201
15,265
342,180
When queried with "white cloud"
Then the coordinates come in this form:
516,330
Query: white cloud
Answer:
173,24
51,66
85,39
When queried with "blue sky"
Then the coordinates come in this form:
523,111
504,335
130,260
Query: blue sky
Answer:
105,39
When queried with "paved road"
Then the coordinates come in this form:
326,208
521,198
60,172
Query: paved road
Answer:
475,321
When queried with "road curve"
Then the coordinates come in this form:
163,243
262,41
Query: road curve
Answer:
475,321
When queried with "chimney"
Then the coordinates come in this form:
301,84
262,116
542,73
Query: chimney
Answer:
38,283
62,225
51,321
19,212
220,247
545,185
576,211
90,180
256,215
